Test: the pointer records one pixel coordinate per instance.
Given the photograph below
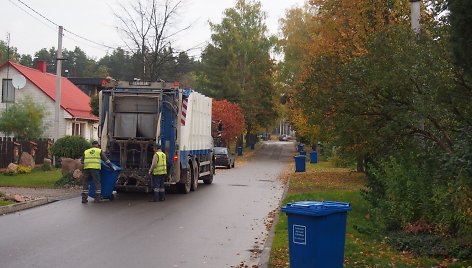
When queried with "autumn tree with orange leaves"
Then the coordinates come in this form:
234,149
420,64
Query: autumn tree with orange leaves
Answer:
232,117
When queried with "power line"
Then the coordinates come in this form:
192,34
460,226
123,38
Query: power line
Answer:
41,15
57,25
31,15
86,39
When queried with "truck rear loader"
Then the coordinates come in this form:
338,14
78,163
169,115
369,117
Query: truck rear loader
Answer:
136,115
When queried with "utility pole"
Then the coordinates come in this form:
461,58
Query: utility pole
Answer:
58,84
8,75
415,6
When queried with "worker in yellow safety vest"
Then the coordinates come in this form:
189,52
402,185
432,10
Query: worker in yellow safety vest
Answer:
158,171
92,160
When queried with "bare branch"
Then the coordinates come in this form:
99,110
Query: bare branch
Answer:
146,24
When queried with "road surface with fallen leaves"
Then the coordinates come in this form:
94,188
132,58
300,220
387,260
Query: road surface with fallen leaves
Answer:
219,225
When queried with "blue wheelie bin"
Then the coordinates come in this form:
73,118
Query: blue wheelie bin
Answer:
240,151
316,233
300,164
108,179
300,147
314,157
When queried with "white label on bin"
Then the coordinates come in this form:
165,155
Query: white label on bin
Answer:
299,234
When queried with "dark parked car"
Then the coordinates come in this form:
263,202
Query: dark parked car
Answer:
223,157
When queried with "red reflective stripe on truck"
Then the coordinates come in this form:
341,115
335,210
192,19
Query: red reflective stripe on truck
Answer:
183,116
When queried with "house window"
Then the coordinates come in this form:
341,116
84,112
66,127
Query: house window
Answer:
8,91
78,129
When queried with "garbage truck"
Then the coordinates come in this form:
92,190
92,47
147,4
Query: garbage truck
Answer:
136,115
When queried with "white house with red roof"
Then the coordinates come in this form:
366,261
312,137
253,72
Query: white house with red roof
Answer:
75,113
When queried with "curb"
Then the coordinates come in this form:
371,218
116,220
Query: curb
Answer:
33,203
265,254
24,205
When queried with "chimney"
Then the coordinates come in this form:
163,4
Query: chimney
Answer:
41,66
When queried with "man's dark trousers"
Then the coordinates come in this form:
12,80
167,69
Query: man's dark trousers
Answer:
158,185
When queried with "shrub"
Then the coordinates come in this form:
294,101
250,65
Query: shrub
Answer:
24,119
11,173
70,146
24,169
46,167
408,189
457,172
431,245
66,180
401,190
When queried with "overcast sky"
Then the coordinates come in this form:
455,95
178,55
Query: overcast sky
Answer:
94,20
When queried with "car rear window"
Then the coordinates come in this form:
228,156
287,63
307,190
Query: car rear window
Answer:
221,150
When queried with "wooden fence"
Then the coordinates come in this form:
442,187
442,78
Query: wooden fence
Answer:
11,149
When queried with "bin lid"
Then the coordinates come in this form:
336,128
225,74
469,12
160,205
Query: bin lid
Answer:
106,167
316,208
300,156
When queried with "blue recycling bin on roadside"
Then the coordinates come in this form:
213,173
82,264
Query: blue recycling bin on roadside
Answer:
300,163
316,233
252,146
240,151
314,157
300,147
108,179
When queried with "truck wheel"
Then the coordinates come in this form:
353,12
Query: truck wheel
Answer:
195,175
185,181
208,179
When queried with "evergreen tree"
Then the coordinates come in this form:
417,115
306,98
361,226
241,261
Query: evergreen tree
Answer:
237,65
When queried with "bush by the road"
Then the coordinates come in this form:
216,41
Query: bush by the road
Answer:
67,180
70,147
423,191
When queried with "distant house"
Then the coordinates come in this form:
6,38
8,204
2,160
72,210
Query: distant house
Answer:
89,85
75,113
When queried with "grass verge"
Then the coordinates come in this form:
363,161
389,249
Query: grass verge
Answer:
365,246
6,203
36,179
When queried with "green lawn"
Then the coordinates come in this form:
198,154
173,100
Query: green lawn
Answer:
364,245
35,179
6,203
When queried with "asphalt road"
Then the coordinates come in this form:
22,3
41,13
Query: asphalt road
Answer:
217,226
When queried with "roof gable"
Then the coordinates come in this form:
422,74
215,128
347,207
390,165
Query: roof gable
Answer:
73,100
